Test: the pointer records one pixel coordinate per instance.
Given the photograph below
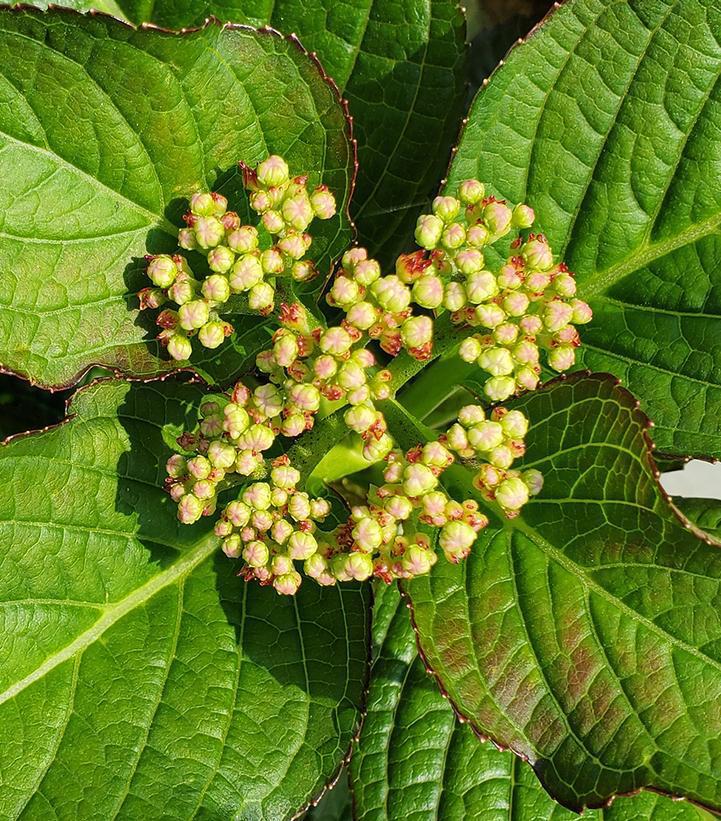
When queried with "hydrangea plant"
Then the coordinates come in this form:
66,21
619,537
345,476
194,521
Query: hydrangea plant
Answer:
334,387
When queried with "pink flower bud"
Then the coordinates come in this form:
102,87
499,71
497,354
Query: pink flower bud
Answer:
323,203
481,286
562,358
447,208
257,438
304,396
303,270
526,353
376,449
319,509
501,457
162,271
176,466
497,216
533,479
243,240
512,494
315,566
523,216
469,260
265,361
281,531
506,333
285,348
527,378
417,480
454,297
496,361
457,438
453,236
345,291
557,314
220,259
216,288
247,462
416,332
417,561
509,277
272,172
261,520
179,347
564,284
186,239
237,513
199,467
391,293
293,425
281,564
362,315
256,554
213,333
478,235
235,420
434,504
299,506
202,204
434,455
301,545
257,496
336,341
351,376
293,245
485,436
269,400
183,289
470,349
537,254
516,303
456,539
582,312
271,261
470,415
221,455
359,566
193,314
325,366
400,507
297,211
285,476
260,201
190,509
287,584
490,315
209,232
428,291
278,497
530,324
232,546
365,271
514,424
260,297
428,231
537,282
499,388
360,418
245,273
471,192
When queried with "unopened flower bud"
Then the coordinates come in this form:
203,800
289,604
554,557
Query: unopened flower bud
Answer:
273,171
209,232
456,539
190,509
366,271
454,297
176,466
582,312
323,203
453,236
399,507
285,348
319,509
216,288
271,261
428,291
501,457
232,546
418,560
435,455
261,297
515,424
470,415
287,584
533,480
247,462
293,425
376,449
162,271
516,303
417,480
281,531
497,216
470,349
392,294
447,208
362,315
213,334
499,388
304,396
257,438
469,260
537,254
345,291
490,315
257,496
512,494
301,545
202,204
496,361
527,378
457,438
471,192
485,436
335,341
285,476
221,454
179,347
186,239
359,566
562,357
557,315
315,565
299,506
220,259
481,286
428,231
523,216
256,554
417,331
478,235
235,421
297,211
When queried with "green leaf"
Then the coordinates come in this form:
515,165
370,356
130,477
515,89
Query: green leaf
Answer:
584,634
104,132
401,64
141,678
414,760
607,121
704,514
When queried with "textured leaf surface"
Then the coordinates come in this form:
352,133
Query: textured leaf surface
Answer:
608,121
585,634
705,513
104,132
401,66
140,677
415,760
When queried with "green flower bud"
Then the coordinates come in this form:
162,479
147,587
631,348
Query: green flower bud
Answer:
512,494
501,457
183,289
447,208
221,455
257,438
470,415
457,438
469,260
212,334
271,261
428,291
216,288
304,396
562,358
351,376
315,566
246,273
287,584
537,254
491,315
417,331
202,205
176,466
256,554
471,192
319,509
360,418
376,449
506,333
220,259
392,294
485,436
261,297
582,312
299,506
516,303
232,546
162,271
323,203
193,315
209,232
186,239
454,297
428,231
285,476
297,211
273,171
285,348
303,270
399,507
515,424
417,480
527,378
293,425
496,361
247,462
417,561
235,420
257,496
470,349
281,531
302,545
366,271
359,566
336,341
497,216
456,539
453,236
190,509
478,235
564,285
481,286
435,455
499,388
345,291
523,216
179,347
533,480
362,315
557,315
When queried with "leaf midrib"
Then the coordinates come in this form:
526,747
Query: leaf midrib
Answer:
113,613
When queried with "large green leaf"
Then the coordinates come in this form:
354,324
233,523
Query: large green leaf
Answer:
104,131
704,514
399,63
608,120
585,634
140,677
415,760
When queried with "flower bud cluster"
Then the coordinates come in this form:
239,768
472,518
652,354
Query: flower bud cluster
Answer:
529,305
238,259
271,525
496,441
